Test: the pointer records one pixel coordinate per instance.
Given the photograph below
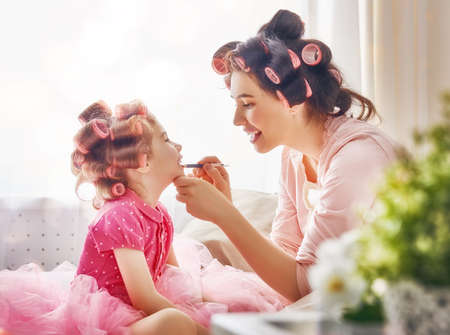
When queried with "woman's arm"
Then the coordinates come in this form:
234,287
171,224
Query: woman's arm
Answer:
274,266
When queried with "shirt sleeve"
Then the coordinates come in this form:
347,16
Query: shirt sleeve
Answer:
120,227
348,187
285,229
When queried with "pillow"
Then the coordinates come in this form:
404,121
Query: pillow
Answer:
259,209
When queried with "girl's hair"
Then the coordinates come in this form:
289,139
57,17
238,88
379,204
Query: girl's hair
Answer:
293,69
107,145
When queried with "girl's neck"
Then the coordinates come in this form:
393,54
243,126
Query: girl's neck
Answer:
149,191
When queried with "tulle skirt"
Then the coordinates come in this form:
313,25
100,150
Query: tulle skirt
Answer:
37,302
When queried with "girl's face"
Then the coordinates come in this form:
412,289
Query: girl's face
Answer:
165,160
263,116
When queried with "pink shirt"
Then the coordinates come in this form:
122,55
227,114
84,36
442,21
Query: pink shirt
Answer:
126,222
353,157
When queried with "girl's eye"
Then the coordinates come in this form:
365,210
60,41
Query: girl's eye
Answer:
247,105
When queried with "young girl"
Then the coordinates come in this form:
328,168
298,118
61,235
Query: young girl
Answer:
128,279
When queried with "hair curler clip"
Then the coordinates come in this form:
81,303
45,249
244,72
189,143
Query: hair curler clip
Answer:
335,73
118,189
308,89
110,171
283,99
219,66
265,47
241,63
272,75
81,148
100,129
311,54
294,59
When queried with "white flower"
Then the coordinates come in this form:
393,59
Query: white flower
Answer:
336,286
334,278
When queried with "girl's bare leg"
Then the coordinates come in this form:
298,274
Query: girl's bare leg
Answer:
167,321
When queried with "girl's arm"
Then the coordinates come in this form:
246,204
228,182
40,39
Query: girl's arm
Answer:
172,260
138,281
139,284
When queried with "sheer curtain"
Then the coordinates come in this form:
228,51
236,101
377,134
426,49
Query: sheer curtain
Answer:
394,52
58,57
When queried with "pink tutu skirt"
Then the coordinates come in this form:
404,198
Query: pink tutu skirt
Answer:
37,302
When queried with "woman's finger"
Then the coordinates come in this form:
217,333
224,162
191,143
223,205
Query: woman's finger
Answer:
209,159
215,175
181,198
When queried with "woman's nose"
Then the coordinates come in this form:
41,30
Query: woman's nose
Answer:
239,118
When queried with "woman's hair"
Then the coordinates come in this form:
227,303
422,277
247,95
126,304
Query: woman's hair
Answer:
294,69
107,145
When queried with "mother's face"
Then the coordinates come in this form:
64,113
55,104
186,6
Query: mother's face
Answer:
262,115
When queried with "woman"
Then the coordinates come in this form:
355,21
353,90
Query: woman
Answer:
289,94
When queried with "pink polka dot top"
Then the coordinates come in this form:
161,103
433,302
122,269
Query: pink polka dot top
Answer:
125,222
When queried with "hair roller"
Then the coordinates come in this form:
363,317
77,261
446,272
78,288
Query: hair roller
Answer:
311,54
78,159
97,110
128,155
335,73
272,75
121,129
308,89
118,189
90,134
265,47
241,63
125,111
283,99
294,59
220,66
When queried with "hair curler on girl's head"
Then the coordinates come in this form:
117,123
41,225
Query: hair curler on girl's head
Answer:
107,145
293,69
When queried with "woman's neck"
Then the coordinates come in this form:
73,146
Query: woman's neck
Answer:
308,138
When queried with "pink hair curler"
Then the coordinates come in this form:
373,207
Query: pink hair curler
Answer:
219,66
111,134
241,63
142,160
311,54
272,75
264,45
78,159
118,189
100,129
138,128
308,89
335,73
110,171
294,59
81,148
283,99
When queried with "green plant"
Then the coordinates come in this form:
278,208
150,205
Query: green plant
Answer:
408,237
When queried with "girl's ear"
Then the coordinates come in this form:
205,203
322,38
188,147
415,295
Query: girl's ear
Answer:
144,169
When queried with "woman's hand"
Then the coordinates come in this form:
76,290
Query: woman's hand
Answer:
202,199
214,174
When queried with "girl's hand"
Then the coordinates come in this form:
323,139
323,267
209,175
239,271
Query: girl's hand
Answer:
202,199
216,175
